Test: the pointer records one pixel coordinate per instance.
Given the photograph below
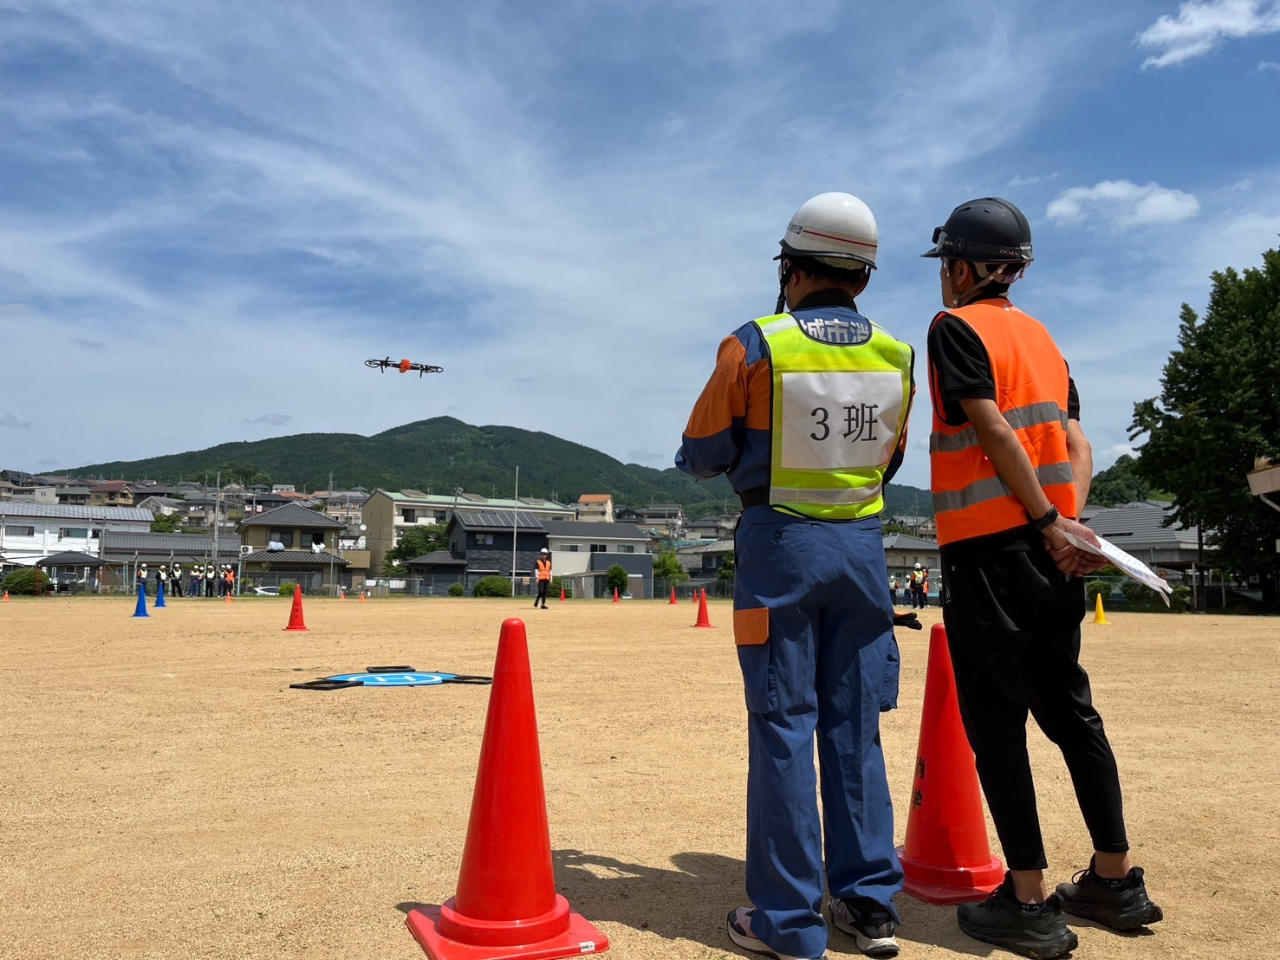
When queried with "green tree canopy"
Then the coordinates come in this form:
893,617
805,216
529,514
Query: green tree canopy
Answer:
1120,483
1218,409
667,566
616,578
416,542
166,523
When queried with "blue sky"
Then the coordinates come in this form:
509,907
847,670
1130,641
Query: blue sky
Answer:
211,213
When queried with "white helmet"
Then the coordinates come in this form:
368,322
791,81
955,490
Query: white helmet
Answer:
545,550
834,228
917,566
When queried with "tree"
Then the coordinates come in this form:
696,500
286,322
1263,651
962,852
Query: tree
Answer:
1119,484
166,523
1218,409
417,542
24,582
616,578
726,567
667,566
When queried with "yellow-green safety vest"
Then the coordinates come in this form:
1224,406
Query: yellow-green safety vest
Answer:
839,410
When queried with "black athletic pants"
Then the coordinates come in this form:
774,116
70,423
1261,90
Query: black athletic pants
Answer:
543,586
1013,626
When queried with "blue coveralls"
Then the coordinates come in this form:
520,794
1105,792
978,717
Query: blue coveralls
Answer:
829,667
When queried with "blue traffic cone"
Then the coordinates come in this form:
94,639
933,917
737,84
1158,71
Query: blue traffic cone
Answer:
159,595
142,602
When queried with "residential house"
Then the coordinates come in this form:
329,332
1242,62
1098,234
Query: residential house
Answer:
902,552
344,505
294,544
583,552
703,560
1138,529
256,503
667,518
595,508
711,528
389,514
166,506
72,494
111,493
925,528
29,531
485,539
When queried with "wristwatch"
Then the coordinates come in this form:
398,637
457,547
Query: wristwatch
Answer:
1046,521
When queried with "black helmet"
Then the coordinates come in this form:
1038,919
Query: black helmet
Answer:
989,230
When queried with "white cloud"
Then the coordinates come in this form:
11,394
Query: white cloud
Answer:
1201,25
1021,181
271,419
1124,203
9,420
1264,65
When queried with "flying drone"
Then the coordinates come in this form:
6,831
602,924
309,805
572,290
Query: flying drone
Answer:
404,366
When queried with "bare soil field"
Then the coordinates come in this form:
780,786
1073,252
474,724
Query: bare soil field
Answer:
163,793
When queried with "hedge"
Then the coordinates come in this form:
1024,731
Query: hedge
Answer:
492,587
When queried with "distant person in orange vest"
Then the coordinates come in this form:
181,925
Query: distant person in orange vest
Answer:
1010,470
544,578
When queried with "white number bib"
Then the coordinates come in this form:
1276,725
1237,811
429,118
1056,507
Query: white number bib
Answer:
833,421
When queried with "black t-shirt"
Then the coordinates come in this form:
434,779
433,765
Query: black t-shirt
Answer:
962,370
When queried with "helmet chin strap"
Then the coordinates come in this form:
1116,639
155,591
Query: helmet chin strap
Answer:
996,275
784,278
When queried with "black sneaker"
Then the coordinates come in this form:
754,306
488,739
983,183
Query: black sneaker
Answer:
870,924
1039,932
1122,905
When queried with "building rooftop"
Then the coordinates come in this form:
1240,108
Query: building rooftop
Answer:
595,498
1141,524
60,511
292,556
177,543
291,515
594,531
473,500
904,541
440,558
496,520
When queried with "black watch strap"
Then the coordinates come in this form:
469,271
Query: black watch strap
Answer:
1043,523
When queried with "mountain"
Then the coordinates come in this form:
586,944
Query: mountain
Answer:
443,453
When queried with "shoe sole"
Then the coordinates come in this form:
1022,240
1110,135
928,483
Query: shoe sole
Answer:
1027,944
754,945
879,948
1140,915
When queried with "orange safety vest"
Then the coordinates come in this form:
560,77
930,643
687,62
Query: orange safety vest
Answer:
1032,386
544,569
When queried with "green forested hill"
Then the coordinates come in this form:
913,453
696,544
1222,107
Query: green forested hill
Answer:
443,453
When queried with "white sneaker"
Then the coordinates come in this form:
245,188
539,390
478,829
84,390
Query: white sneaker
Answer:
872,928
739,927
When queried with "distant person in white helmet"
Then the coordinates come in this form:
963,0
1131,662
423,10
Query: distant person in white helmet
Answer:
544,578
806,412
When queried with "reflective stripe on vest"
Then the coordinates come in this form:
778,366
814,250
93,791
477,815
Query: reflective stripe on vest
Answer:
1032,386
839,410
544,569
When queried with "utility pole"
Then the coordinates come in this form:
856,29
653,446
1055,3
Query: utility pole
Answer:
335,535
217,522
515,526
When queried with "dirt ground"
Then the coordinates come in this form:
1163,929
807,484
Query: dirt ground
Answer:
163,793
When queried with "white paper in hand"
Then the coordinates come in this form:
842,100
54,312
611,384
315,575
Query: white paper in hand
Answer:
1130,566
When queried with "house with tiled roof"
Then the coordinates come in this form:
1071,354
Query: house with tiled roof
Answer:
595,508
295,544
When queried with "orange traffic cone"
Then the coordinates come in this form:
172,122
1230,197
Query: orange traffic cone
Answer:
562,593
6,596
946,858
295,615
363,597
506,905
226,598
673,597
704,620
615,595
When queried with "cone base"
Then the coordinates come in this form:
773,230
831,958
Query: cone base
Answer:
943,885
297,629
581,938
